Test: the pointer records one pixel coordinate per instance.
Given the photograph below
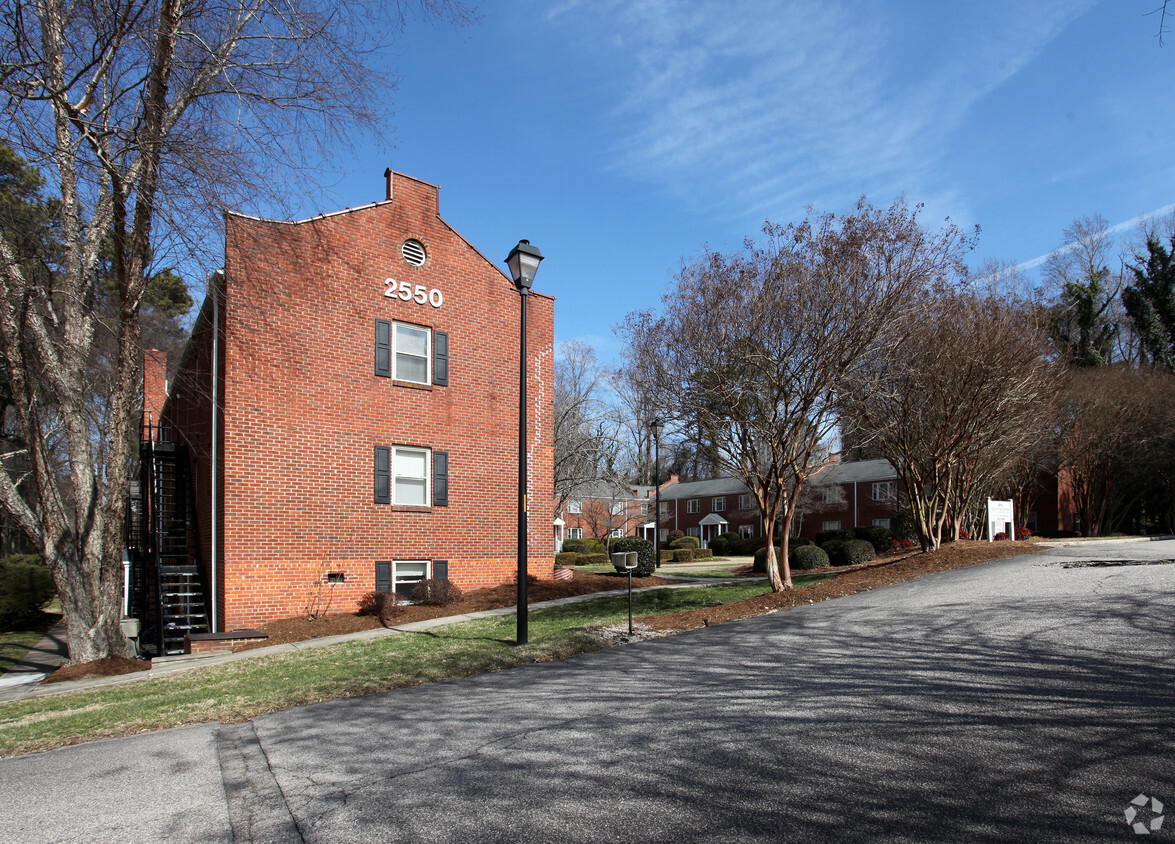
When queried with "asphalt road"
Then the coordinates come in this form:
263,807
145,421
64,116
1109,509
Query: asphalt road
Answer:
1013,701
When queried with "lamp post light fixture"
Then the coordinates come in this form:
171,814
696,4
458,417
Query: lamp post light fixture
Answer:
523,262
657,425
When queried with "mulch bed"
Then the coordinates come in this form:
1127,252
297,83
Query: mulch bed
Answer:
111,666
872,575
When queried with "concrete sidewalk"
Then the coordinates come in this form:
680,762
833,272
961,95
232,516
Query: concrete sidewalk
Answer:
27,683
41,660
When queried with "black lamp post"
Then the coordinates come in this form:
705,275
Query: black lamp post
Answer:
523,262
657,425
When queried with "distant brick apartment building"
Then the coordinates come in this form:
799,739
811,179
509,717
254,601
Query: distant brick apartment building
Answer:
363,366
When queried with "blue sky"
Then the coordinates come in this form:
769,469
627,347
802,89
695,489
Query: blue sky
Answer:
620,136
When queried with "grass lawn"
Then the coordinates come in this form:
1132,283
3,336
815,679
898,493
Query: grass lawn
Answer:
245,689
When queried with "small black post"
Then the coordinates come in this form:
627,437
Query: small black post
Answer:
630,602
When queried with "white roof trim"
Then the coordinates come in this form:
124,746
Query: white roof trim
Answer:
714,519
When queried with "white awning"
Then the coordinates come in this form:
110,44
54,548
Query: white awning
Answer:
714,519
648,525
558,522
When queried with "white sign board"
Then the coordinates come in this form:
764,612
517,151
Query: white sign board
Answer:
1000,519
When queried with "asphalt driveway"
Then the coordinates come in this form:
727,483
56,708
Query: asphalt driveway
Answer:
1016,700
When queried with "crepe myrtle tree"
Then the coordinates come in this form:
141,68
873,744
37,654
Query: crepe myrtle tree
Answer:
954,401
757,345
146,120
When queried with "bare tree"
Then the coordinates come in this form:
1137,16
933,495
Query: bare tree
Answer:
1085,311
148,119
954,402
584,424
757,345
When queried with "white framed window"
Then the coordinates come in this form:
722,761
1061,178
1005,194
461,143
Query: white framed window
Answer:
881,523
718,505
694,531
574,506
410,476
884,491
664,535
830,525
745,502
411,351
407,573
694,505
616,533
664,508
618,508
575,533
746,531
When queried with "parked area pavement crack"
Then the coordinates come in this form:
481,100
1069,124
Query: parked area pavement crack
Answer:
1093,564
257,808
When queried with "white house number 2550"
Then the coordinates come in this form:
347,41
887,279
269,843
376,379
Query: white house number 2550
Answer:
413,293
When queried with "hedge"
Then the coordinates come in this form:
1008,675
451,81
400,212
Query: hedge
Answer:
25,587
849,552
881,538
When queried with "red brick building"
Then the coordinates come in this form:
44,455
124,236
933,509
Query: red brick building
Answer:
364,369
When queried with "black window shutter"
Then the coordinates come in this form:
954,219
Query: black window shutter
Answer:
440,479
383,575
383,348
383,474
440,358
440,569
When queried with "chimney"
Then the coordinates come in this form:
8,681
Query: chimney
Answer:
388,175
154,385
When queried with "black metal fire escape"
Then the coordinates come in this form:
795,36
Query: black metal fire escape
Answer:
167,580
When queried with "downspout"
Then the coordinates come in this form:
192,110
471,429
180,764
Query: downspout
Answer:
217,279
855,484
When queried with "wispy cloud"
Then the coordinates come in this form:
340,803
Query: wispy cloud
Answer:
758,107
1134,224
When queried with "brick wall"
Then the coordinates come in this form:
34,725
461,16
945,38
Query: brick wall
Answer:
303,410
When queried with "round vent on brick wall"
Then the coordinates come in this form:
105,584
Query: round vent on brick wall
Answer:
414,252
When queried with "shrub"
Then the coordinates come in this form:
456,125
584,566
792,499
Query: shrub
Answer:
760,564
703,553
594,559
675,535
825,536
902,525
730,536
646,561
25,588
567,558
747,547
807,557
718,545
684,555
436,592
849,552
964,533
575,546
686,542
798,542
1000,537
881,538
1023,533
904,544
383,605
667,555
